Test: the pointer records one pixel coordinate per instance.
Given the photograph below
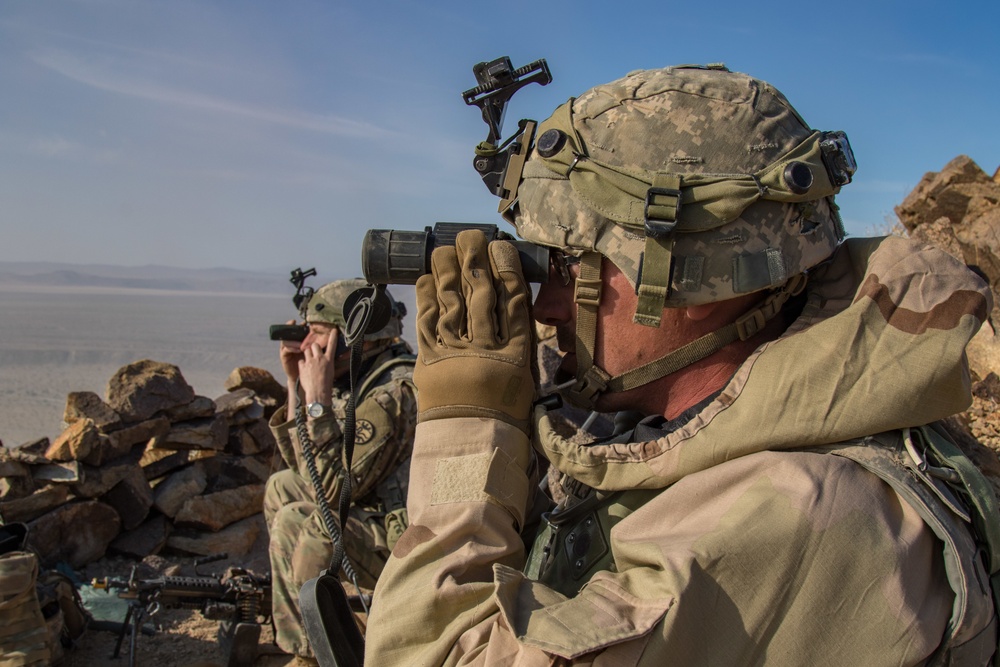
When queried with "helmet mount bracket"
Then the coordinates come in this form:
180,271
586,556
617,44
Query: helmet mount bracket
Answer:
498,81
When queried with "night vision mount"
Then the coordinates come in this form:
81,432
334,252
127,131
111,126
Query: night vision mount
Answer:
500,164
302,292
296,332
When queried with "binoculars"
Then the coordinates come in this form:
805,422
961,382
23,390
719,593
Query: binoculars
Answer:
399,257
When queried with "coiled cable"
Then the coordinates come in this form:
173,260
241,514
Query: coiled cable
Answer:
339,559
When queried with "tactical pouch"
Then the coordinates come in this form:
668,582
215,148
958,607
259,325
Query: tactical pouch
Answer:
63,610
23,631
931,474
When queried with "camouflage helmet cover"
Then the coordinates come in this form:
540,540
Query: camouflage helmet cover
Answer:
327,306
724,141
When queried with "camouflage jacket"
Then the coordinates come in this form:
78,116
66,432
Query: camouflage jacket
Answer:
737,539
386,417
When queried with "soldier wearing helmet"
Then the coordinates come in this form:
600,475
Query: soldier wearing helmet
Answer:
317,369
786,499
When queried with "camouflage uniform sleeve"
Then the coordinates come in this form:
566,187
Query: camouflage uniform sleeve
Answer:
385,423
467,497
783,558
281,430
326,436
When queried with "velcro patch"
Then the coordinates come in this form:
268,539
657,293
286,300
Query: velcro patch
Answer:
492,477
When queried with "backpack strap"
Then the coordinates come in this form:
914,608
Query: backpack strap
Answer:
949,493
976,490
972,485
401,358
24,635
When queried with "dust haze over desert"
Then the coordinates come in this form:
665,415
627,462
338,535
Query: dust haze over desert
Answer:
66,328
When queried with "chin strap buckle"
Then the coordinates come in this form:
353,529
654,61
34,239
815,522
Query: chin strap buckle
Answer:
585,391
588,291
750,324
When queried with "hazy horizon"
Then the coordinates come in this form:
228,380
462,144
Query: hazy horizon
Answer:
50,265
220,280
54,341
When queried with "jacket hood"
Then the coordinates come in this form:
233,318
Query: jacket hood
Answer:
880,345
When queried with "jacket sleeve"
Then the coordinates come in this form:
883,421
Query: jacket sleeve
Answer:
385,422
772,558
327,439
452,592
467,497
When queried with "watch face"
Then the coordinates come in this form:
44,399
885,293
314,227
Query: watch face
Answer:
315,410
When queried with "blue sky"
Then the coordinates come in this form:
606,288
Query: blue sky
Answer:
272,134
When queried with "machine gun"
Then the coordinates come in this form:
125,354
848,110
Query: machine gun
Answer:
241,599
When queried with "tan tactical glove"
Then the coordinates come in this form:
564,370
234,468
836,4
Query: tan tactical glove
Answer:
474,334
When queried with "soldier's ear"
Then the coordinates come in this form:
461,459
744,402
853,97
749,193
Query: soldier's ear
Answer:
700,312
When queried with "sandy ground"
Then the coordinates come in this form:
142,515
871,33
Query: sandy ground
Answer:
185,640
184,637
52,344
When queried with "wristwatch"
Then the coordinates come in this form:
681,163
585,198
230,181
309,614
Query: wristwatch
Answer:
317,410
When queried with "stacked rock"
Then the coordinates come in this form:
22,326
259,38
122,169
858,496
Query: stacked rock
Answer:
152,466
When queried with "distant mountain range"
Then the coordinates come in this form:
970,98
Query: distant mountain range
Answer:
50,274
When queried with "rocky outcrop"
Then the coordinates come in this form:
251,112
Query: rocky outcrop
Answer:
257,380
150,467
958,209
88,405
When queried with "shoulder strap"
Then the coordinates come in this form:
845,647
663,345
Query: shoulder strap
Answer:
907,461
376,373
972,485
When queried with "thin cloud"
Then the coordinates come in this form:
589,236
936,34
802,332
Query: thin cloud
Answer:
54,146
160,57
87,74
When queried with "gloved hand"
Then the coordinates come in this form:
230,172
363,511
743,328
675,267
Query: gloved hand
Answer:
474,334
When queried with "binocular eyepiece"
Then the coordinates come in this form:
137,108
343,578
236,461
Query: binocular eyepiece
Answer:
292,332
399,257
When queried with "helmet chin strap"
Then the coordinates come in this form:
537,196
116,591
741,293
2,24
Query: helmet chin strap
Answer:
592,381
